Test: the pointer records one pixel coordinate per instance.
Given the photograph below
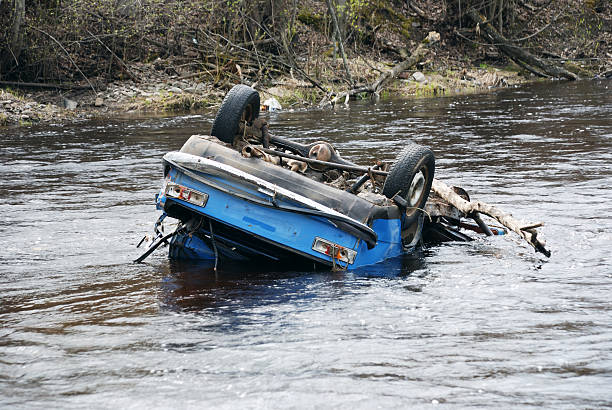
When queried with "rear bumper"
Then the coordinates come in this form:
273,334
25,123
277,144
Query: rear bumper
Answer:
248,218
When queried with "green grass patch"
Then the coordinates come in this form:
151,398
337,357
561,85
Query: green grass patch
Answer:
300,96
429,90
184,103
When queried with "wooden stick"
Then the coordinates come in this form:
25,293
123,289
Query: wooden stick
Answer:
532,226
468,208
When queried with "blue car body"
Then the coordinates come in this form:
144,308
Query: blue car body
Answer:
245,209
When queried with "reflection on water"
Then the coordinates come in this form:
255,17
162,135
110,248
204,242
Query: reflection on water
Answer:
481,324
195,286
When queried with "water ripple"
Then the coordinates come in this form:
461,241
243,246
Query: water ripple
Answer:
481,324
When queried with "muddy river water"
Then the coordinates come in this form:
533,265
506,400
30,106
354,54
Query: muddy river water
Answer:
483,324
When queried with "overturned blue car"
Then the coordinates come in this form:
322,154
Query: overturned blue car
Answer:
243,194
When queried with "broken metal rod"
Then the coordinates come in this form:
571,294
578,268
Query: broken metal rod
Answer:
352,189
155,245
485,228
354,168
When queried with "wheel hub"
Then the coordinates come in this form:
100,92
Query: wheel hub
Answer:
416,188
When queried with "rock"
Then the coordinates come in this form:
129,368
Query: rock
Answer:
419,77
99,102
200,88
70,104
175,90
433,37
404,75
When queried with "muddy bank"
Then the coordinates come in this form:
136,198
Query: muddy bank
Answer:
158,92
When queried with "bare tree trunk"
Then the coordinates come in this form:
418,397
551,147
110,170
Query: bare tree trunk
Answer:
492,10
15,40
340,39
500,16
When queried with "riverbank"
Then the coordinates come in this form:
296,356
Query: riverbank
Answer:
158,92
162,59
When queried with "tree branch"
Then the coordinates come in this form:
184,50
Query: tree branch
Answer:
527,232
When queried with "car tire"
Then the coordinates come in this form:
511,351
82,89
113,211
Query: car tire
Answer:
240,104
410,177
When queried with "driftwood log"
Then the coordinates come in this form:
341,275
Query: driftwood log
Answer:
417,55
523,58
469,208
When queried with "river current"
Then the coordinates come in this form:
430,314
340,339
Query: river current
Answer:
483,324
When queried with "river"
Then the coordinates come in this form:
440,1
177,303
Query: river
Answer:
463,325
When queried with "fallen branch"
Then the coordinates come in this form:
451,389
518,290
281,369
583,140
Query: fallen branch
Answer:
517,53
417,55
527,232
419,12
531,69
256,43
45,85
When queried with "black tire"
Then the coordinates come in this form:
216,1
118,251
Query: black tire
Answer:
414,161
240,104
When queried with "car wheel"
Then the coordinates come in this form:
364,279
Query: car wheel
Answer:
410,177
241,104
